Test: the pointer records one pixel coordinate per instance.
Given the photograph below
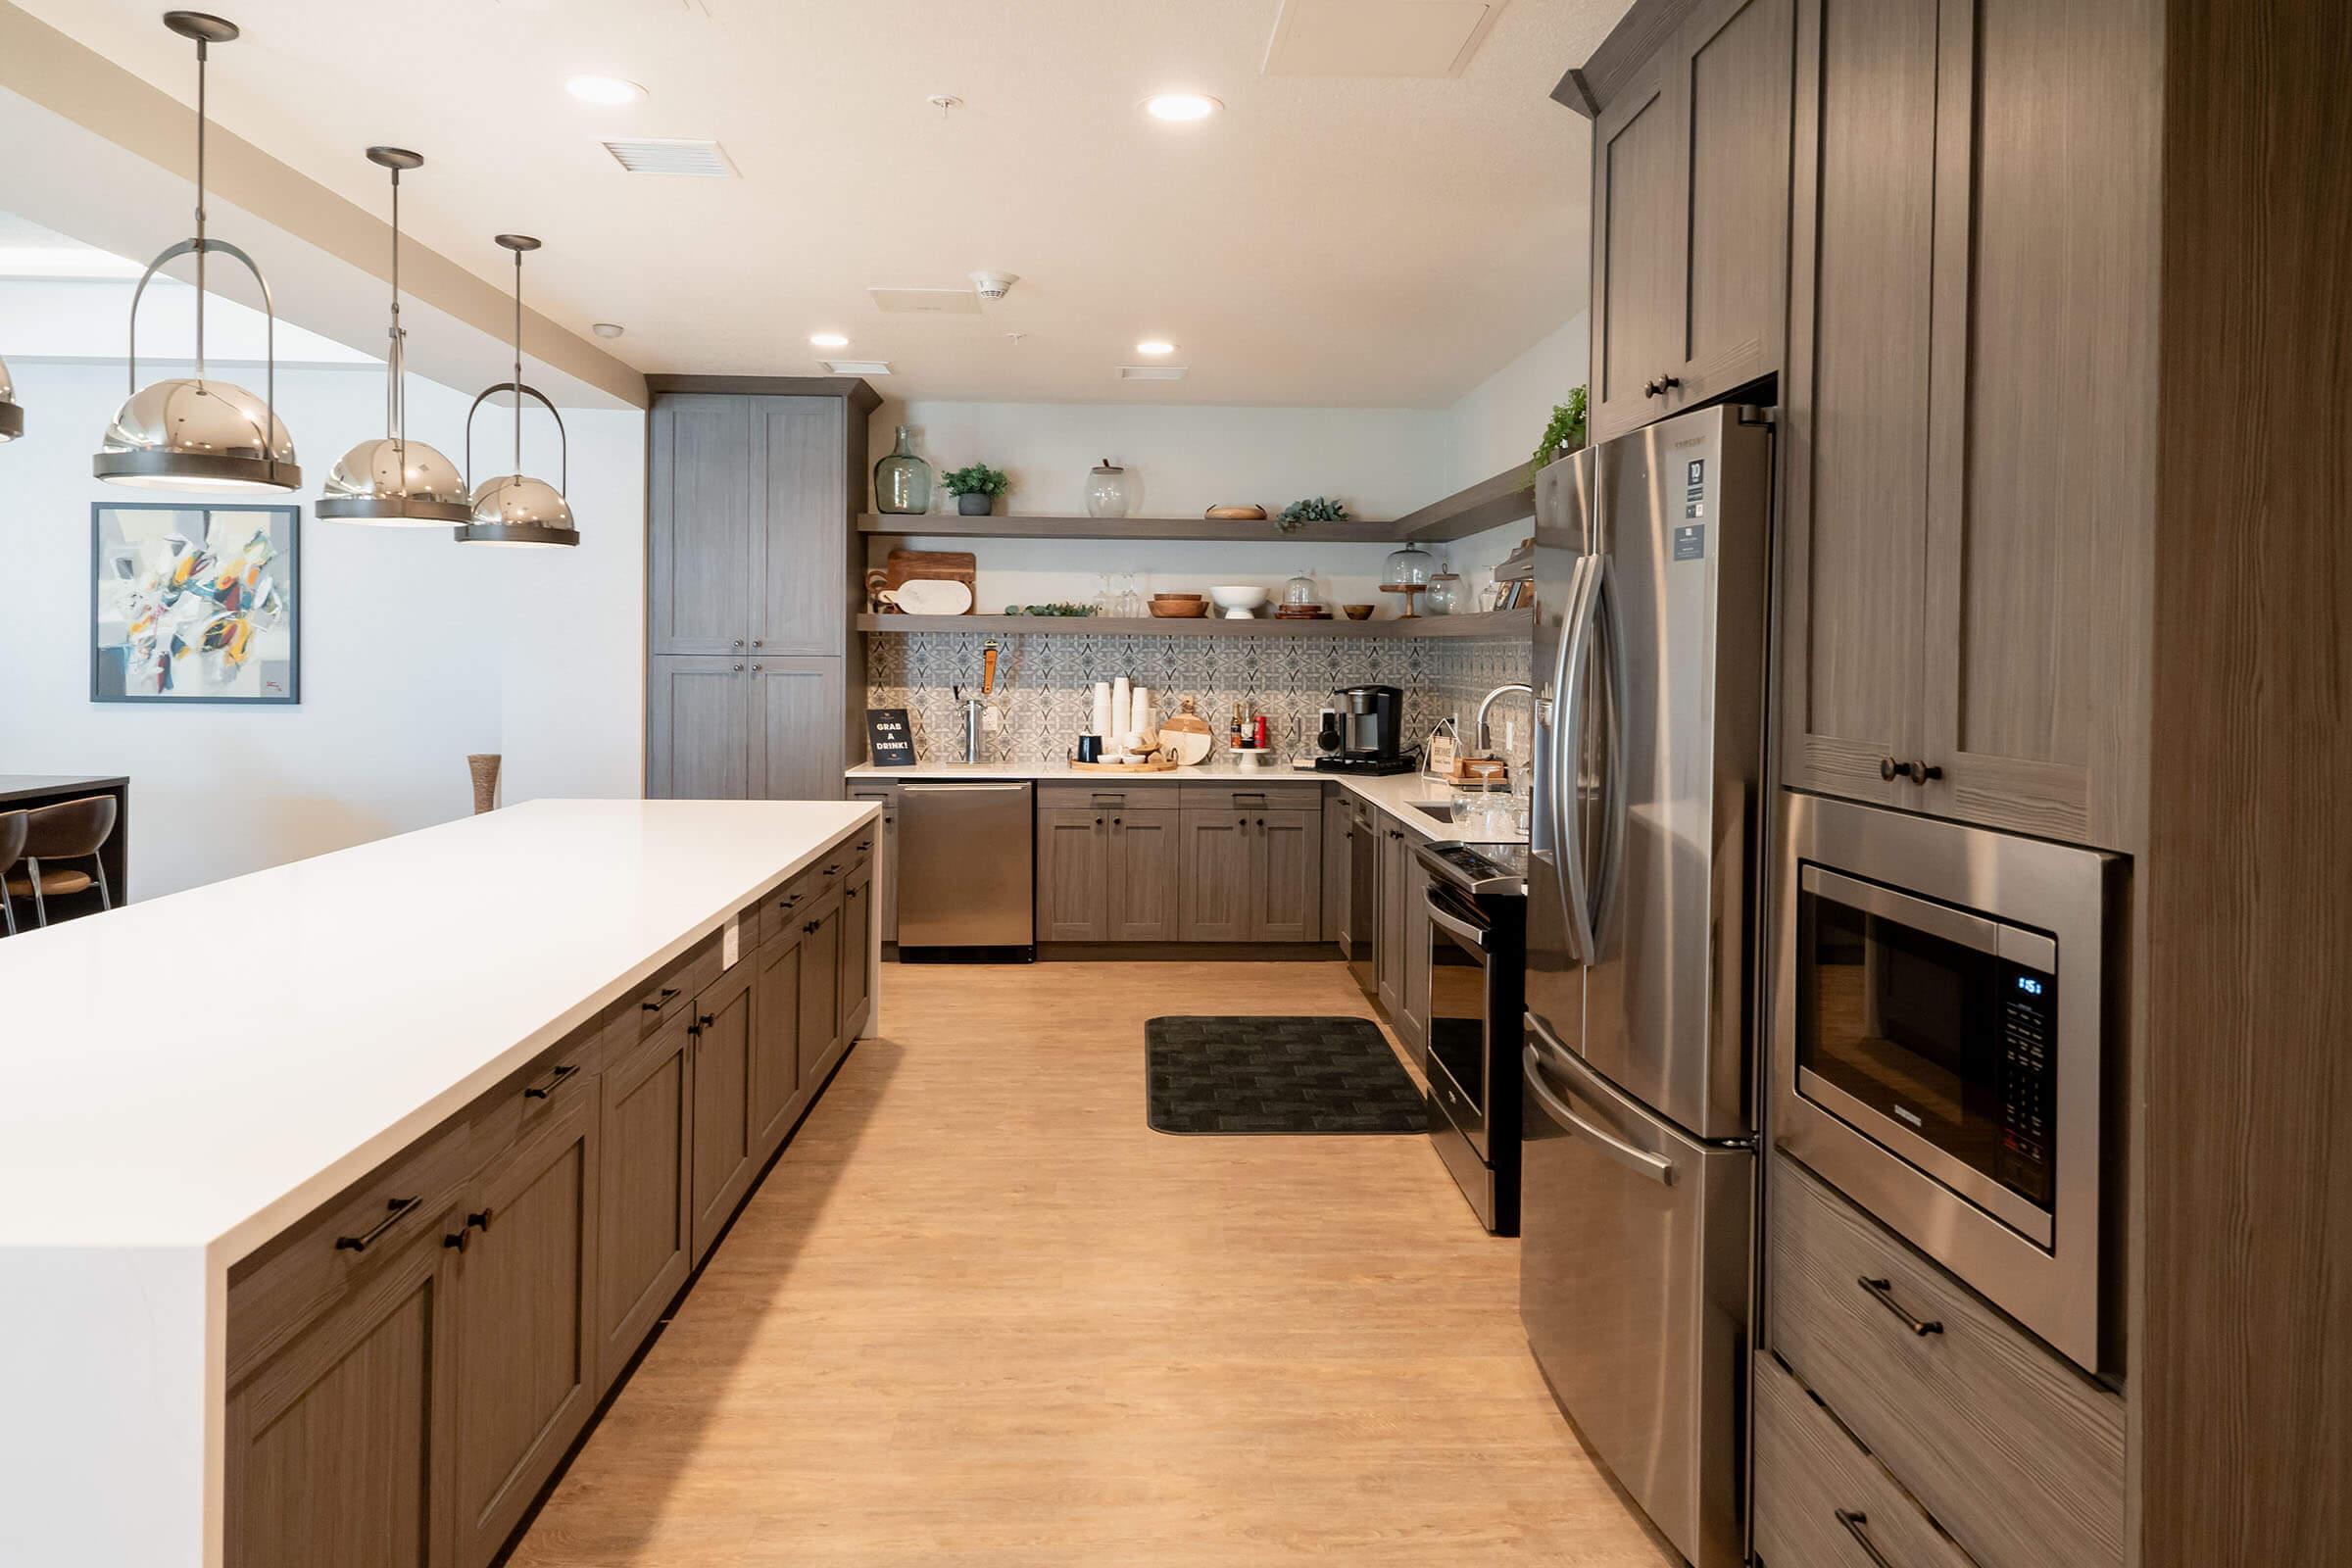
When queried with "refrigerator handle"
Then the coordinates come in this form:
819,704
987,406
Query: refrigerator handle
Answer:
1608,872
1640,1161
1568,756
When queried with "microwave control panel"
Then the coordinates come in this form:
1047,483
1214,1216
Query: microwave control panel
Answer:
2029,1081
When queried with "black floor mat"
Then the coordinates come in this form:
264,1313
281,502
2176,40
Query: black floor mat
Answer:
1277,1075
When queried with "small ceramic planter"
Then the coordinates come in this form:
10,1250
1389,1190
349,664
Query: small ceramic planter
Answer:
975,503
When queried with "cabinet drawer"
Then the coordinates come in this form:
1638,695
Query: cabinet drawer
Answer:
1290,795
1822,1501
525,1100
784,903
671,992
1110,795
2011,1448
315,1261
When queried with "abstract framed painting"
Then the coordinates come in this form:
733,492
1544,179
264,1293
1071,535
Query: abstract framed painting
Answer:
195,603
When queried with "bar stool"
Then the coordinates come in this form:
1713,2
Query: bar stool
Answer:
71,830
12,850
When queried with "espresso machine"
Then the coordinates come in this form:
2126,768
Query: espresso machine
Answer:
1371,724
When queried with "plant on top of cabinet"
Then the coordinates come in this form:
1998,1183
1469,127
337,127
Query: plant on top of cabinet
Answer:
1564,434
975,488
1315,509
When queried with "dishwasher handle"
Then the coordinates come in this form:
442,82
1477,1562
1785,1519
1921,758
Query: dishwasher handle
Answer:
960,789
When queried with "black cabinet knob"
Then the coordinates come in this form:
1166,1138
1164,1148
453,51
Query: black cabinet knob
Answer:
1261,822
1918,770
1114,822
456,1238
706,1021
480,1219
1098,821
1889,769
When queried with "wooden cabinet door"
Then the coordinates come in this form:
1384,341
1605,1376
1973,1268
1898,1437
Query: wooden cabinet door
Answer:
1073,874
2041,443
336,1445
1731,66
805,528
707,477
796,729
820,992
886,852
776,1091
1639,187
1338,813
645,1219
1411,1021
722,1074
526,1336
856,952
1388,965
1145,895
1216,898
698,729
1285,874
1854,433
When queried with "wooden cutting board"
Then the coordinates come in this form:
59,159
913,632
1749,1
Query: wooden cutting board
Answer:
935,565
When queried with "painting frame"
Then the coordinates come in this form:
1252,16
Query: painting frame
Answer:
286,574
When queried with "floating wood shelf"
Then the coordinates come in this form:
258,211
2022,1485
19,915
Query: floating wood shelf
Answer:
1493,623
1489,503
1221,529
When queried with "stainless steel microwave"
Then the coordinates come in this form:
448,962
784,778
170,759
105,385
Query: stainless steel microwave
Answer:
1940,1048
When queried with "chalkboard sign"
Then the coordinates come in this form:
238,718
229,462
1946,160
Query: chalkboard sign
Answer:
889,737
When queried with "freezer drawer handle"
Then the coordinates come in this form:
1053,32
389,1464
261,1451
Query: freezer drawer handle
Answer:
1882,1292
1854,1523
1640,1161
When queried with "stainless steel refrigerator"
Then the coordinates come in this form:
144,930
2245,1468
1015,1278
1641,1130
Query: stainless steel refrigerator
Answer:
1639,1158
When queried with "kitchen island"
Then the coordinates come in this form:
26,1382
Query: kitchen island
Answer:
340,1194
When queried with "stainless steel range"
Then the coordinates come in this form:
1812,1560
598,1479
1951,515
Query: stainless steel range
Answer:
1477,906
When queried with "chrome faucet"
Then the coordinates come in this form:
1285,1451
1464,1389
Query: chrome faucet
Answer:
1478,725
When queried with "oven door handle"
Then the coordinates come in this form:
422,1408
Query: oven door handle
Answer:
1459,927
1640,1161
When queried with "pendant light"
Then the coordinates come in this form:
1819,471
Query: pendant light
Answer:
12,416
390,478
192,432
513,509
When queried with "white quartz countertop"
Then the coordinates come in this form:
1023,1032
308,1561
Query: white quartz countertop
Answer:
1393,794
202,1070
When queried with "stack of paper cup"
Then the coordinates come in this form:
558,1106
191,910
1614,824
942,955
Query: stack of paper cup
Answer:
1102,723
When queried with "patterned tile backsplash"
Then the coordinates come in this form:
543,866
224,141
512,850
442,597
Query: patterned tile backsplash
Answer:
1045,684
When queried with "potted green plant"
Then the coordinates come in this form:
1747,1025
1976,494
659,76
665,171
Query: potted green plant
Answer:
1315,509
976,488
1563,435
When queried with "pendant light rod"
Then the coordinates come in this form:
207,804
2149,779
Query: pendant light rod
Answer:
396,359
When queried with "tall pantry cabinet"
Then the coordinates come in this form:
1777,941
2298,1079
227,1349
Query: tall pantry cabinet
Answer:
755,671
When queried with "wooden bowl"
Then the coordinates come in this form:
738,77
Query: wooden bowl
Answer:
1358,612
1179,609
1171,599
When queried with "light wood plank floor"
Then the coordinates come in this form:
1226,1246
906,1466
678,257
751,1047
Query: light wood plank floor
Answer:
980,1314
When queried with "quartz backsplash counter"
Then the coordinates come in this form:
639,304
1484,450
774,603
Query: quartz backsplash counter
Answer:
1045,683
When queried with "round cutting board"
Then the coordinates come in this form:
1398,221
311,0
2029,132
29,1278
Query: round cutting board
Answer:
934,597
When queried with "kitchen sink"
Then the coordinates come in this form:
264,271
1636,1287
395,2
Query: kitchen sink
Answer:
1441,811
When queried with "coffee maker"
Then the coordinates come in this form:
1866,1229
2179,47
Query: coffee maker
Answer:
1371,725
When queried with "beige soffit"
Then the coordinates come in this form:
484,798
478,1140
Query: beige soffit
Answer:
46,67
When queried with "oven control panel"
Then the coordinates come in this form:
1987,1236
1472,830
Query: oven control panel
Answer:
2029,1080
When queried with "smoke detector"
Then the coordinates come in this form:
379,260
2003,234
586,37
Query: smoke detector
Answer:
995,285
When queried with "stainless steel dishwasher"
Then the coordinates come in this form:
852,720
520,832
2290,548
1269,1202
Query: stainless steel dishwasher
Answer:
965,870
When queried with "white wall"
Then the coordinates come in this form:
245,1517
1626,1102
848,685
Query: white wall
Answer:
415,650
1497,422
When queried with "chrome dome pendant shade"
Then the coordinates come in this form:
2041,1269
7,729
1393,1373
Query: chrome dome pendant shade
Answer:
515,509
12,416
390,479
193,432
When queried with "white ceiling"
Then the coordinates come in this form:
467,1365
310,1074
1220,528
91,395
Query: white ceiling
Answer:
1325,240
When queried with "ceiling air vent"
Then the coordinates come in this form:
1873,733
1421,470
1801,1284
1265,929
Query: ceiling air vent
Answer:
655,155
855,366
926,301
1151,372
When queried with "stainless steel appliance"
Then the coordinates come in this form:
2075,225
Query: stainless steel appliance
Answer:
1476,908
966,871
1637,1157
1940,1047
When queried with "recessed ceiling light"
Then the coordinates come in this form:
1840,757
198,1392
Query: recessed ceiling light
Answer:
1181,106
1154,346
604,90
606,328
829,340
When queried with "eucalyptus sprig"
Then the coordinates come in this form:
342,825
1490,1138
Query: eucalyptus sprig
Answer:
1315,509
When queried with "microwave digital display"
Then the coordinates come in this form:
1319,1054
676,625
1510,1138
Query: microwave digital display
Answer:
1945,1038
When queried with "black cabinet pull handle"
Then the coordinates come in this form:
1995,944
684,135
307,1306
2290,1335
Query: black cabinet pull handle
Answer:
396,1210
1854,1523
1882,1292
458,1238
554,1081
811,926
693,1031
480,1219
1918,770
668,995
1922,772
834,867
706,1020
866,844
